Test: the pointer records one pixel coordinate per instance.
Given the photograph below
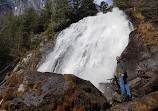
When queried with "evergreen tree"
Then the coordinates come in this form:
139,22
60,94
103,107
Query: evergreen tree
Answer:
45,16
29,21
7,35
122,4
66,12
103,7
87,8
29,26
83,8
62,11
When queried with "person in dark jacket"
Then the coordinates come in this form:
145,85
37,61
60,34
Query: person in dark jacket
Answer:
122,74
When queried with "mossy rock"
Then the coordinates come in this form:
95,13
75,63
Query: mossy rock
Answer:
49,91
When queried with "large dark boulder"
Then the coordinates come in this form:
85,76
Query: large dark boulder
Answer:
49,92
140,58
141,61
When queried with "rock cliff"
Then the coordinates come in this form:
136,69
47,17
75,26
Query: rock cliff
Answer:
19,6
141,53
5,6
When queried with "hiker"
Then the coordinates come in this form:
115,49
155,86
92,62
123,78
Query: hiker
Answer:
122,74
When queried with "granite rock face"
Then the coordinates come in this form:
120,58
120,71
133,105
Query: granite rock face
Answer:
19,6
140,58
141,54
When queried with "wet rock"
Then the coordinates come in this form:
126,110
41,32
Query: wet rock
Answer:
133,82
1,87
49,91
113,93
151,85
110,92
139,87
28,62
146,103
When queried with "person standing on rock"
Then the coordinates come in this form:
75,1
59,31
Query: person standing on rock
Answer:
122,74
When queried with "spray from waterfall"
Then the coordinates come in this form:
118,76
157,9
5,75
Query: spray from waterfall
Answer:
88,48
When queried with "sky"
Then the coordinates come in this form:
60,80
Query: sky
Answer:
108,1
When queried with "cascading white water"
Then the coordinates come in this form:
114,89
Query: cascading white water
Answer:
88,48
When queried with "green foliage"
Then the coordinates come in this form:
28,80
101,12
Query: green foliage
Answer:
61,15
66,12
6,38
83,8
45,17
120,3
87,8
16,35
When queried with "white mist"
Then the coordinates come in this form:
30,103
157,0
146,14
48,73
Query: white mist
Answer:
88,48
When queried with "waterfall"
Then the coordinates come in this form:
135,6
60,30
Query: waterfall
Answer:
89,47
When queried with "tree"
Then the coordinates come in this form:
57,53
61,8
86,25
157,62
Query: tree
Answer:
7,35
87,8
65,12
29,21
16,35
103,7
29,26
45,16
122,4
82,8
60,18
